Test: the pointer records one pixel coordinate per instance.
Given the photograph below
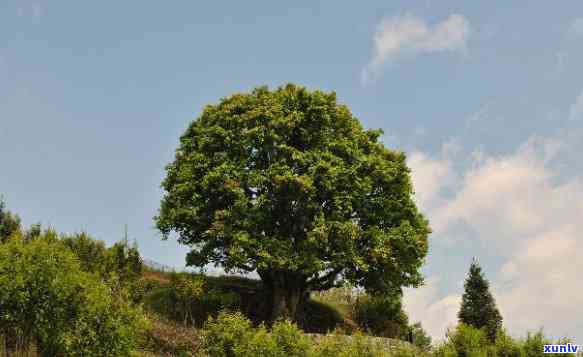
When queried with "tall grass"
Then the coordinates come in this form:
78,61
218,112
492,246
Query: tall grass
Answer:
18,348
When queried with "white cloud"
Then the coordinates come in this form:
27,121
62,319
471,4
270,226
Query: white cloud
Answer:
576,111
436,314
429,177
411,34
517,205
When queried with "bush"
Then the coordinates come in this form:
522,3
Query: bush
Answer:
284,340
48,300
382,316
506,346
420,338
290,339
348,346
231,335
223,335
189,299
469,341
120,260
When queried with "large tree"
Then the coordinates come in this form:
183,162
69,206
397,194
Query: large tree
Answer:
478,307
287,183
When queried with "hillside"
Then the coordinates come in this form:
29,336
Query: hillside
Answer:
169,333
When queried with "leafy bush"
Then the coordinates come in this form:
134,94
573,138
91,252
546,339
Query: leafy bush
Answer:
225,334
420,338
506,346
469,341
353,346
139,289
232,335
382,316
48,300
290,340
120,259
189,299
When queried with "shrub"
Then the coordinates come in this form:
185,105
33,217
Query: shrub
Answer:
223,335
468,340
420,338
382,316
445,350
348,346
189,299
47,299
290,339
258,343
506,346
231,334
120,260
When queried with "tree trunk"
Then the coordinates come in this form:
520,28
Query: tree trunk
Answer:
286,294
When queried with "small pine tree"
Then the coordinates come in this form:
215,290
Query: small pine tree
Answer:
478,307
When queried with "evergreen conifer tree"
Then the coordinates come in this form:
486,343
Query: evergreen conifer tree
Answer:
478,308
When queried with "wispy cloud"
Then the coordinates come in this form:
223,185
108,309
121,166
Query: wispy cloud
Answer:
436,313
516,204
412,34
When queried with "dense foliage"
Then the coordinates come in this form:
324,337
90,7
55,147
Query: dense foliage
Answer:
478,308
190,299
9,222
119,261
382,316
232,335
70,295
288,183
46,299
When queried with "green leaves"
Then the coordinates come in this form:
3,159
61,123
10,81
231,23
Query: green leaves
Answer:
288,180
47,298
478,307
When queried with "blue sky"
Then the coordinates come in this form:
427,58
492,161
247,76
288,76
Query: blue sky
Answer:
485,97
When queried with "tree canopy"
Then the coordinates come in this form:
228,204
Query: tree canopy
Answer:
478,308
9,222
288,183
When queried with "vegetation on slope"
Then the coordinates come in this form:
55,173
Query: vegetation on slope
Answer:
69,295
